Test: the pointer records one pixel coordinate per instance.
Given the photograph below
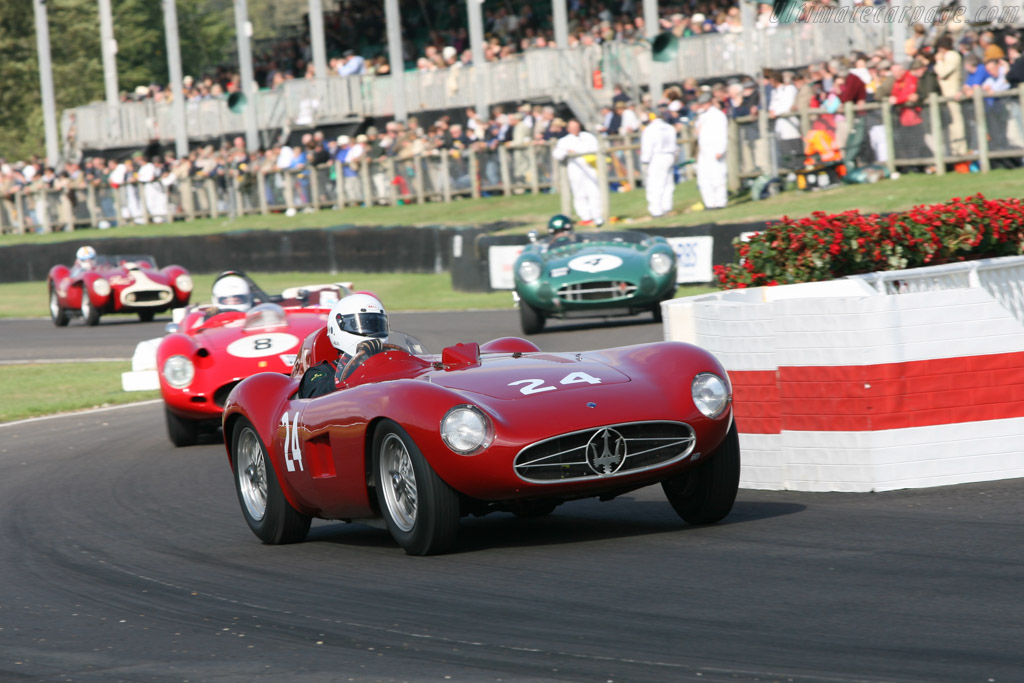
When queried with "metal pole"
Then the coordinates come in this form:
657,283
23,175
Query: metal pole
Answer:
651,23
394,22
476,45
108,46
46,82
748,17
316,33
174,68
899,32
560,18
243,31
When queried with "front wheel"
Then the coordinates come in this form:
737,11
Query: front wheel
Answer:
147,316
182,432
90,314
58,314
656,312
706,493
420,510
530,318
267,512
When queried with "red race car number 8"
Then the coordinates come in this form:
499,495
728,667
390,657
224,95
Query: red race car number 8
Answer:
536,386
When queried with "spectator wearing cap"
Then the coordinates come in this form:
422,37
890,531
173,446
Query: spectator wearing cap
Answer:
352,64
658,152
712,143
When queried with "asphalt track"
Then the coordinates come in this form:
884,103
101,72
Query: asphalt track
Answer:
126,559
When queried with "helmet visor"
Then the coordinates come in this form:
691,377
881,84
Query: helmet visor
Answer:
364,324
232,300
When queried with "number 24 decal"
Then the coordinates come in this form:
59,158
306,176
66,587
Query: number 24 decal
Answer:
536,386
292,444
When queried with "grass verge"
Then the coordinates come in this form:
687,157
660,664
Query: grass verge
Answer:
398,291
532,211
26,390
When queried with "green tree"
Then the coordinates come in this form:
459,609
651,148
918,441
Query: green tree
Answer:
205,27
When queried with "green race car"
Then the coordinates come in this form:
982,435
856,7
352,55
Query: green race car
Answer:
592,274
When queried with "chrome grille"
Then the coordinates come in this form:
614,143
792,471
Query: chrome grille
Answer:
600,452
604,290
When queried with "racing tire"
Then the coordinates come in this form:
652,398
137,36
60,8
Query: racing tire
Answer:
180,431
267,512
147,316
706,493
58,314
420,510
656,312
90,314
530,318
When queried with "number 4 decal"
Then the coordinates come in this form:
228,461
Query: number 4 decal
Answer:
536,386
292,445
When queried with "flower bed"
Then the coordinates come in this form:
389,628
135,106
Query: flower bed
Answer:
828,246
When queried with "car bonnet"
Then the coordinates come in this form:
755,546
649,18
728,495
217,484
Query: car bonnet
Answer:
514,376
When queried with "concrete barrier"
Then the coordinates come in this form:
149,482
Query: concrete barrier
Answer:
869,383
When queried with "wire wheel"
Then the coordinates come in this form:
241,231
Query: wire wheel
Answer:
252,475
398,480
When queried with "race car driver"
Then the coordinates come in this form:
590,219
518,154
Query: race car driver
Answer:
232,293
85,258
358,328
559,231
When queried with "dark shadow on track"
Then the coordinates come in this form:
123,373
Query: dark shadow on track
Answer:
633,518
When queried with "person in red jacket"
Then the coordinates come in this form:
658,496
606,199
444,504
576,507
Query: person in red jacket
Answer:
909,134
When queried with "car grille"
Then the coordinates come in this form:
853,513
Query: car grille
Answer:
605,290
147,296
601,452
220,396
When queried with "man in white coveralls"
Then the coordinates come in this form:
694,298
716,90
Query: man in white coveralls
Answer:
658,152
712,139
586,196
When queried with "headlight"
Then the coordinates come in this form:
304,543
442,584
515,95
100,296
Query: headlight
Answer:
710,394
466,430
661,263
183,283
101,287
179,371
529,271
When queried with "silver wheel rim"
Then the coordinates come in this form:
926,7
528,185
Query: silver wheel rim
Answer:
54,304
86,304
252,475
398,480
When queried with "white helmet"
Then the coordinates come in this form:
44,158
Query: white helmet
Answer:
232,293
86,256
356,318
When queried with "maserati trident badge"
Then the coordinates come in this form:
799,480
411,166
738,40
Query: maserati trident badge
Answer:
606,451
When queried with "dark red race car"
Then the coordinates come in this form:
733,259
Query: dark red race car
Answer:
422,440
209,351
128,283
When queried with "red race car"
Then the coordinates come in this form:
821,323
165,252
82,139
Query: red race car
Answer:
422,440
215,346
97,285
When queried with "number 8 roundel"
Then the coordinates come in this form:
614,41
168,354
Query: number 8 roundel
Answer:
258,346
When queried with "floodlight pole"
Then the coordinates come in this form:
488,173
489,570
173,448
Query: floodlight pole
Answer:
174,69
560,18
475,8
46,82
397,60
653,26
243,31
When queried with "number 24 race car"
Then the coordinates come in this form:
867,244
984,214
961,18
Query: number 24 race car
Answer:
421,440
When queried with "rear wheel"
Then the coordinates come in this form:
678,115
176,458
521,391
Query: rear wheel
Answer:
267,512
90,314
58,314
420,510
707,492
147,316
181,431
530,318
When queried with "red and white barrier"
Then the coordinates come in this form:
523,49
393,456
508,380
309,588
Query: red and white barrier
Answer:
841,387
